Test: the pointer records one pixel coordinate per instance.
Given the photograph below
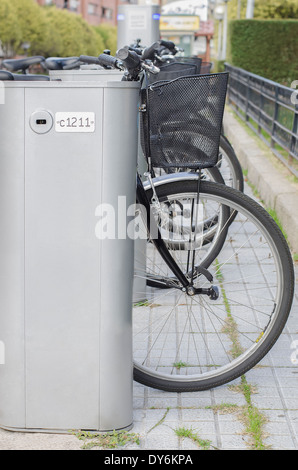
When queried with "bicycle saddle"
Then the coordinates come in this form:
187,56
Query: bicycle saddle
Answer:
4,75
60,63
13,65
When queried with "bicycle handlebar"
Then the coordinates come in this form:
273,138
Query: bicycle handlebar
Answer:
109,61
138,50
149,52
169,45
160,48
131,59
87,59
135,63
104,60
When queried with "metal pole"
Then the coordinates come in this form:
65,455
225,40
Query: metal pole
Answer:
225,32
239,10
250,9
219,49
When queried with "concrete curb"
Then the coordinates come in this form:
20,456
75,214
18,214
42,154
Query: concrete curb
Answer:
273,186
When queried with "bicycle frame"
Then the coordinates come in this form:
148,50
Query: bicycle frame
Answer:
142,199
187,286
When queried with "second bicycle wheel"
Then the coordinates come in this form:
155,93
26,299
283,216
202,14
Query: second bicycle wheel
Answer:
188,342
229,165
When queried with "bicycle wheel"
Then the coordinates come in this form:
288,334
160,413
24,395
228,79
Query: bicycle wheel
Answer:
175,217
166,220
229,165
188,342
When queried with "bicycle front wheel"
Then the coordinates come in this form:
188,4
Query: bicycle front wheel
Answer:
188,342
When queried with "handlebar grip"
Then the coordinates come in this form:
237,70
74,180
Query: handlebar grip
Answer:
107,60
136,49
130,58
168,44
89,59
149,52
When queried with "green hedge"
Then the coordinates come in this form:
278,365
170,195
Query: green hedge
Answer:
50,31
265,47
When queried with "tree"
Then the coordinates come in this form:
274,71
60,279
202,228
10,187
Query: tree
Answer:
276,9
50,31
109,35
71,35
10,34
32,24
269,9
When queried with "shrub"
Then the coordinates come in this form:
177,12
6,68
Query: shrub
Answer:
109,36
50,31
70,35
265,47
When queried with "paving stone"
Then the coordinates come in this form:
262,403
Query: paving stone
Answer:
278,442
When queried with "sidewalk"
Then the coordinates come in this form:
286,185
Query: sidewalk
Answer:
213,419
216,415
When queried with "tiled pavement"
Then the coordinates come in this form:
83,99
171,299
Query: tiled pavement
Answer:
275,395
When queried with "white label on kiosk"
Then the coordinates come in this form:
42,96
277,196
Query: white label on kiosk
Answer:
75,122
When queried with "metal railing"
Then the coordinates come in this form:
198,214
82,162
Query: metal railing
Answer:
269,109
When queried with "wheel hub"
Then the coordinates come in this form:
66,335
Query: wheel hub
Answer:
212,292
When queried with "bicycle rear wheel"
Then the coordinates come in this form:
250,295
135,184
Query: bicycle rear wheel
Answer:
188,342
229,165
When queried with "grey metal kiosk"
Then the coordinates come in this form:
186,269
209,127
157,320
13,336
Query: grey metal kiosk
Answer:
65,291
95,74
137,22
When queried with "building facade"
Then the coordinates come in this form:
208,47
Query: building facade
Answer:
93,11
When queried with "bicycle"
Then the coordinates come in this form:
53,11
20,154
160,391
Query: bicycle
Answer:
218,303
186,337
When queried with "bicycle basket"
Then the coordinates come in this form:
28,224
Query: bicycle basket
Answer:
181,121
206,67
191,60
173,70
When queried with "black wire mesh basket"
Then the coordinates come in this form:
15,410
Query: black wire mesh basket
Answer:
206,67
181,121
174,70
191,60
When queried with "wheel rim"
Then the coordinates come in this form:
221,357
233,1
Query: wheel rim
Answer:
227,169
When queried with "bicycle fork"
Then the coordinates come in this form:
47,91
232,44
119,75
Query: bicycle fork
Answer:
157,240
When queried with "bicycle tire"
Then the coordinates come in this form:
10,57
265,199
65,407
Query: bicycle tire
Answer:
150,369
232,173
